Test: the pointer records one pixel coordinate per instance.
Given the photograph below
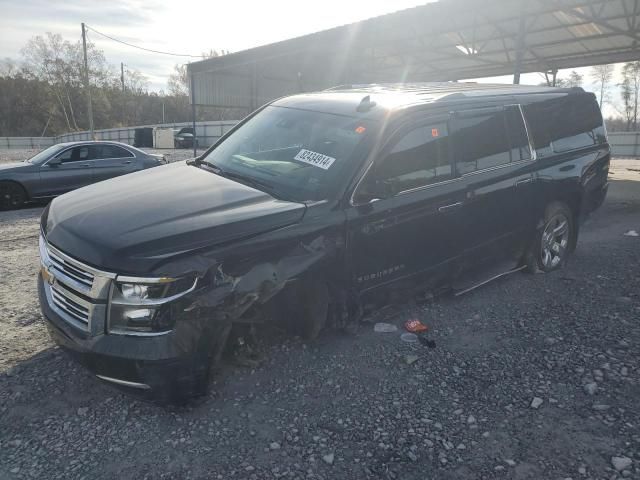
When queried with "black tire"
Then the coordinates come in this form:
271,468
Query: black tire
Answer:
303,308
315,311
553,242
12,195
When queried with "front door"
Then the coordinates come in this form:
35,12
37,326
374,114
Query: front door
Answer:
414,230
72,169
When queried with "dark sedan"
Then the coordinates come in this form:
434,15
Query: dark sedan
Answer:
67,166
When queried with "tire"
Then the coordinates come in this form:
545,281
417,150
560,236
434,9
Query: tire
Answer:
12,195
304,308
315,311
552,243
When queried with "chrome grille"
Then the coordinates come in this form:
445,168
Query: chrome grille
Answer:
77,292
70,307
75,272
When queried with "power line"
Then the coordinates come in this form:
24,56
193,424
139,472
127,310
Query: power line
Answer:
142,48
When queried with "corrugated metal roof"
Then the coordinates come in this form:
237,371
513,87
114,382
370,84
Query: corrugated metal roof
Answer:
447,40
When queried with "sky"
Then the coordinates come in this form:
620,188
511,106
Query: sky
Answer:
190,27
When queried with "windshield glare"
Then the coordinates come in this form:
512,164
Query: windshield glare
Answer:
301,154
44,155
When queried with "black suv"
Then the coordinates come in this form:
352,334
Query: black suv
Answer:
308,206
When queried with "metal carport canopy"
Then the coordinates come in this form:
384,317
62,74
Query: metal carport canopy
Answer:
446,40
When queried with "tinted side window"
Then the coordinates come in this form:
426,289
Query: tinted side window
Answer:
113,151
76,154
419,158
481,141
564,124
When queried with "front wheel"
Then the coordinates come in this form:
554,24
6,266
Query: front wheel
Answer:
551,245
12,195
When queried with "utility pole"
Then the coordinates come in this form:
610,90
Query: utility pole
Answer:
124,100
193,113
86,81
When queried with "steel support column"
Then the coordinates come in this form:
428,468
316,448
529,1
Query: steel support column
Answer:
520,46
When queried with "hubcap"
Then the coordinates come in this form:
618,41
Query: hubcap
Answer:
9,197
555,240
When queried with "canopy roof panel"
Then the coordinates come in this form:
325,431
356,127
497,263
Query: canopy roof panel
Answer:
446,40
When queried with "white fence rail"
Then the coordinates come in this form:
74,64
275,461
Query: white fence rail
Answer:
207,132
24,143
623,144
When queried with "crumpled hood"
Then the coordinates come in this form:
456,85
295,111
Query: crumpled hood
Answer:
131,223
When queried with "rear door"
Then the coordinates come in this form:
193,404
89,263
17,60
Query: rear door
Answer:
416,230
493,157
112,161
75,170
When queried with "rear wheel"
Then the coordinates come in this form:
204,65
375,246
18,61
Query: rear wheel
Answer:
552,244
12,195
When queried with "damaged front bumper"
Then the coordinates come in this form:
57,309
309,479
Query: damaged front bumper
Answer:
172,361
164,367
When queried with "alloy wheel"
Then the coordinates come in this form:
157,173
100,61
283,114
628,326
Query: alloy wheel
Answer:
555,240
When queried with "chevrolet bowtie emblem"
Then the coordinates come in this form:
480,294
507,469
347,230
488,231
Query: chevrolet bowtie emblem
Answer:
48,275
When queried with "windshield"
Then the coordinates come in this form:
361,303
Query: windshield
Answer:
294,154
45,154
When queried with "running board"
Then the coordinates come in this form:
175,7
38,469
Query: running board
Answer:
491,279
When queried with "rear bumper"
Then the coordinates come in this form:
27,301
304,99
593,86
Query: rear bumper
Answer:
152,367
594,200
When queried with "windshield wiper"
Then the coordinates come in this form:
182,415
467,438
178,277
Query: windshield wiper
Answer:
252,182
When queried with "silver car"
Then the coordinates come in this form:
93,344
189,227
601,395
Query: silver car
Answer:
67,166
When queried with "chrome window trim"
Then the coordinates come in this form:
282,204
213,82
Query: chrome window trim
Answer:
534,154
424,187
498,167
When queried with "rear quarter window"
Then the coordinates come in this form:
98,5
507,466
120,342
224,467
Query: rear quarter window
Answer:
564,124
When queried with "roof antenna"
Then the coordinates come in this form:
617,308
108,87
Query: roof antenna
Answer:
366,104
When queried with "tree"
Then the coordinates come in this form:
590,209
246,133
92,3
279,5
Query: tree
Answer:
629,91
178,84
602,76
59,63
574,80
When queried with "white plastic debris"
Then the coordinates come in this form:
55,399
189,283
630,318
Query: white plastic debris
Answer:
631,233
536,402
384,328
409,337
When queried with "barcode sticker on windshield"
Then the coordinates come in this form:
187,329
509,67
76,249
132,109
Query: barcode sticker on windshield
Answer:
314,158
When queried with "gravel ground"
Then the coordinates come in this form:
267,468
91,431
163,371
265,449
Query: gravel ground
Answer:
533,377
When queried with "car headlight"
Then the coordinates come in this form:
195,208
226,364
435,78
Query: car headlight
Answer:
143,305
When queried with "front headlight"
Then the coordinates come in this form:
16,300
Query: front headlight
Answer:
144,305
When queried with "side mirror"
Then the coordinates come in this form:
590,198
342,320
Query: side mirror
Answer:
54,162
383,189
376,190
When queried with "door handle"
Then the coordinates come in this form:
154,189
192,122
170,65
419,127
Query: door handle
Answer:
86,164
446,208
126,162
524,181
